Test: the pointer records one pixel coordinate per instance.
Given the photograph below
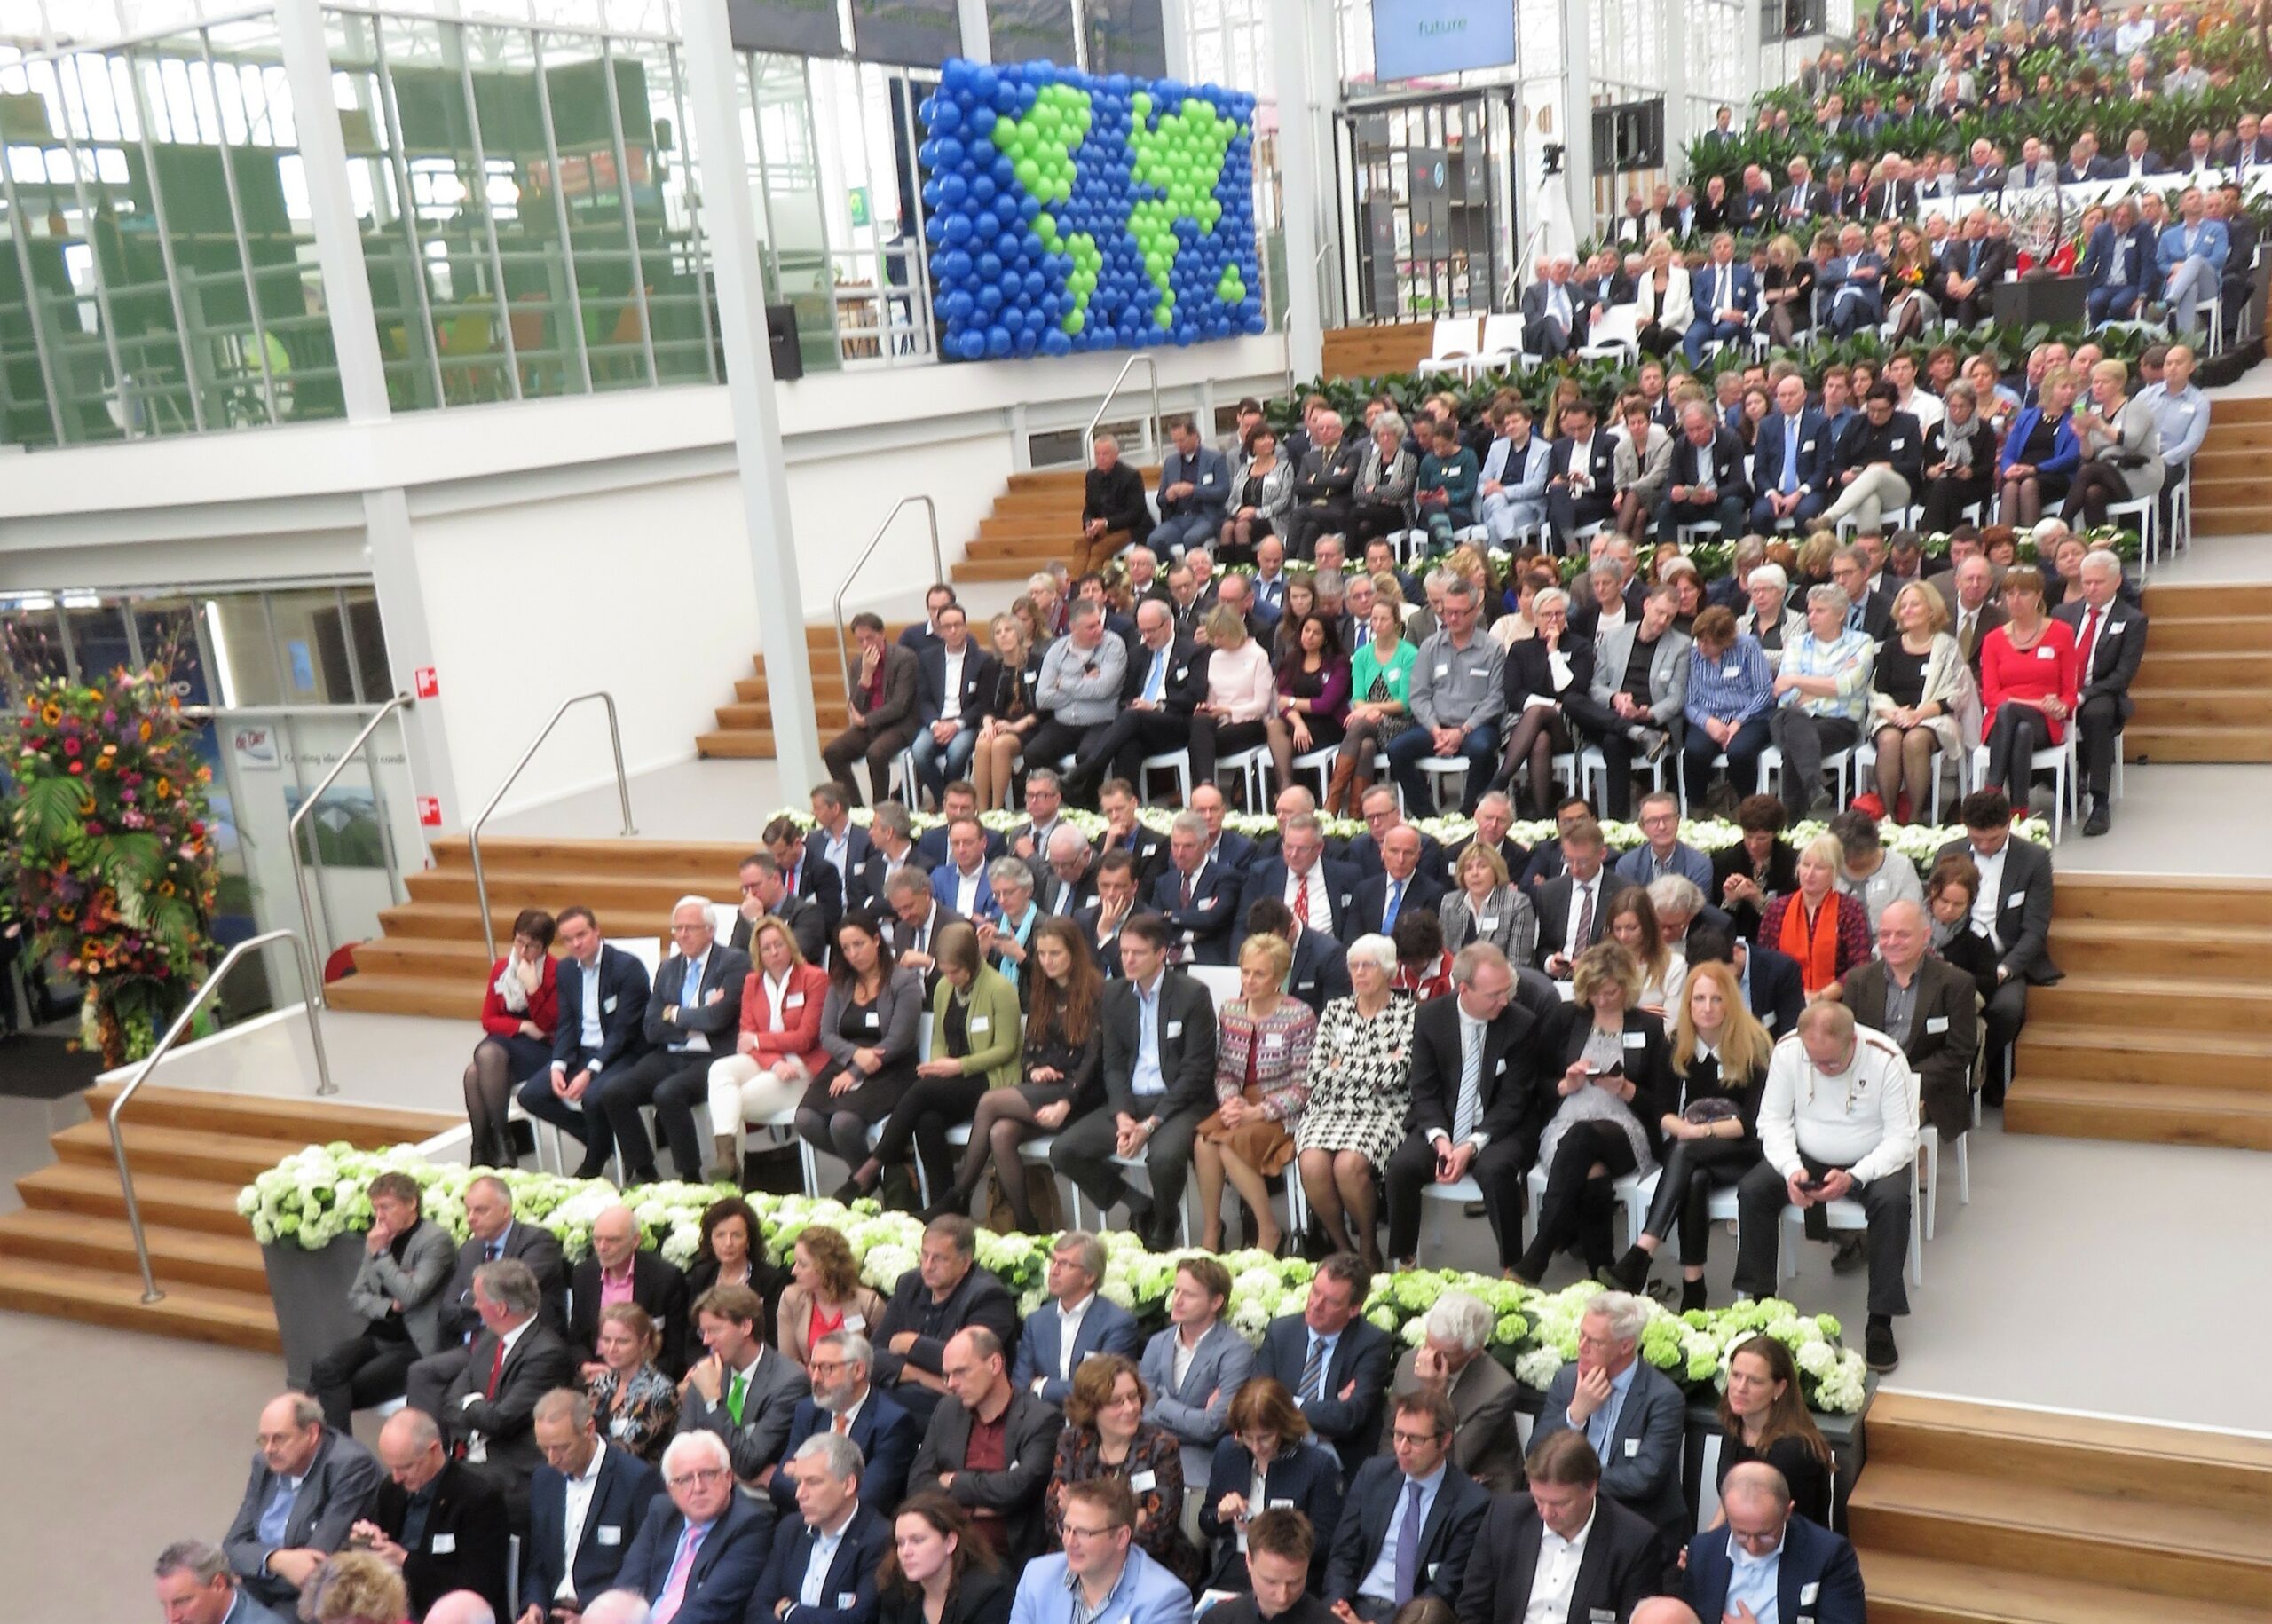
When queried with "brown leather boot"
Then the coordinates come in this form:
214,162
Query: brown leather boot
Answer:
1337,798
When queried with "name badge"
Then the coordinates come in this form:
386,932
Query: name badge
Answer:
1731,673
2117,627
608,1534
982,1023
1433,1567
620,1427
1488,923
846,1600
1273,1040
1900,445
795,1000
1637,1040
856,1322
1936,1023
607,1005
871,1021
2046,652
1600,1615
1442,672
1805,447
860,867
1175,1029
1807,1593
2016,899
1281,1505
1141,1481
1632,1448
443,1545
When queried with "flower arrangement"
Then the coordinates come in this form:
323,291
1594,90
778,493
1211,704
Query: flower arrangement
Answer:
115,871
314,1196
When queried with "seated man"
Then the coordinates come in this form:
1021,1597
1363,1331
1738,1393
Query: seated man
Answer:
309,1487
1821,692
945,1292
489,1412
960,885
1452,1363
1662,851
1196,898
196,1587
1580,477
1511,488
1410,1519
1586,1557
1166,677
707,1546
2118,266
1159,1082
1573,902
1404,885
2109,640
1333,1361
1322,484
2013,906
1102,1572
883,696
1550,311
692,1014
438,1520
992,1447
1115,903
570,1559
1791,464
1970,266
1837,1121
1195,485
960,800
2189,257
1630,1415
1113,510
1926,1006
1196,1366
493,1235
1723,293
399,1290
603,1009
1640,688
1706,483
1765,1560
914,922
1458,697
744,1392
954,681
843,1402
1078,690
1280,1545
825,1559
1319,890
1074,1323
765,890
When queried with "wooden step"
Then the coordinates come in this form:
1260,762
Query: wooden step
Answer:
738,718
407,995
1906,1589
2205,632
2125,1053
106,1246
2201,707
2245,669
430,957
2151,1003
613,854
2251,520
184,1153
2167,601
2224,1118
2162,899
1001,569
1036,549
187,1312
273,1116
92,1192
649,901
820,637
2168,745
2235,951
752,745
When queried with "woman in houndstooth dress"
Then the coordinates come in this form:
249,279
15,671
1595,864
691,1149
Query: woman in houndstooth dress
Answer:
1360,1087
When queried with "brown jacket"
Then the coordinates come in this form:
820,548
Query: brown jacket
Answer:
1944,1035
796,1317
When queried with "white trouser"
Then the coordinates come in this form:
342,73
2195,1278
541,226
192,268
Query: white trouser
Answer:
1874,490
741,1090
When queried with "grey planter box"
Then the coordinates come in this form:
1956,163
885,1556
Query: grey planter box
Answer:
310,1292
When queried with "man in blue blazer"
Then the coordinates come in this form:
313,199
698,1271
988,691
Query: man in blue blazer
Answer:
1632,1415
1198,896
1102,1576
1196,1367
1410,1519
692,1014
1407,884
822,1569
959,801
1302,876
1771,987
839,842
2117,263
1074,1323
1765,1555
703,1537
622,1488
886,1434
1790,467
1335,1362
1723,296
603,1010
2190,256
1194,486
962,883
948,711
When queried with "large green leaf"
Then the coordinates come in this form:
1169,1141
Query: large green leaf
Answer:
49,811
134,861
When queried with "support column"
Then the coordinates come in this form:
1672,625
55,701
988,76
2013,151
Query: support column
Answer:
710,65
1300,184
1175,28
1578,113
977,44
1752,60
410,645
1674,27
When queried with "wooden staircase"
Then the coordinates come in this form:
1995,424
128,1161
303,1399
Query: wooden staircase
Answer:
2156,1034
745,729
430,959
1967,1513
70,1255
2229,470
2204,686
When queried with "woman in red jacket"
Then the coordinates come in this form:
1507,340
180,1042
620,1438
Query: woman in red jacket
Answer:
778,1051
518,1013
2027,685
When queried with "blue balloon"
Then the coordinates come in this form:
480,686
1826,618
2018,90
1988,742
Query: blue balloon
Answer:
998,341
954,76
981,120
933,192
1056,343
951,153
944,114
958,228
1034,283
958,306
935,226
952,190
1023,344
1005,96
982,189
1029,207
989,267
971,346
952,265
990,299
1007,245
928,153
1254,324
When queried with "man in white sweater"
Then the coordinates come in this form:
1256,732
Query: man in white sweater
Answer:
1837,1121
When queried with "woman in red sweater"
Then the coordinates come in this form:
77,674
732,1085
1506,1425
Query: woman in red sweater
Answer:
518,1014
2027,685
778,1051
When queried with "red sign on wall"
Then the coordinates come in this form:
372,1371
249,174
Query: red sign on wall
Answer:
428,684
429,812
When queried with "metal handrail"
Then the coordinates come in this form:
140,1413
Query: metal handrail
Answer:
1088,435
307,807
836,606
309,990
623,792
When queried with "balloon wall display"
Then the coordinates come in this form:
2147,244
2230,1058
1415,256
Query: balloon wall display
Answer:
1071,211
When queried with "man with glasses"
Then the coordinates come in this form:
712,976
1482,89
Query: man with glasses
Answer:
1409,1520
765,890
844,1403
1629,1413
1101,1570
700,1561
992,1447
1766,1558
439,1522
308,1485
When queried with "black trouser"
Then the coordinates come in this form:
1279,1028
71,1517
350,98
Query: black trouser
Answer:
1053,740
676,1098
1609,732
1565,1215
2017,732
1761,1197
1565,516
1121,749
581,1119
1370,519
429,1380
880,749
1085,1150
1212,738
1805,741
1693,1170
1946,499
2098,720
1309,521
1498,1171
2098,485
622,1093
2001,1017
1743,750
925,1112
358,1373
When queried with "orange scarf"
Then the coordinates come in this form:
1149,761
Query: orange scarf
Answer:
1815,946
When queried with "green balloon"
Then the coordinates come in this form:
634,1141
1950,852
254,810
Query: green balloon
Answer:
1029,174
1074,322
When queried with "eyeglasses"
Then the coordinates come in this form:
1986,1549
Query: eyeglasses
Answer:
823,1367
1416,1439
688,929
1069,1533
701,1477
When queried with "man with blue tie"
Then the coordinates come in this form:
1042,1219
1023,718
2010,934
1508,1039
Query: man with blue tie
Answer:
1167,676
1791,463
1402,886
1075,1323
2191,258
1631,1414
1335,1362
822,1569
1721,290
1767,1565
691,1017
1410,1519
698,1557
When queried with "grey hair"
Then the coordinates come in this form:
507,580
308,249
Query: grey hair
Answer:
1084,609
1624,1313
1959,388
1067,841
1329,584
1676,894
1009,871
305,1411
1829,595
836,1452
1501,796
201,1559
1190,823
425,1431
1459,587
1853,554
1548,597
907,877
1199,552
1773,574
1306,822
1085,1250
686,1446
853,1347
1389,422
1472,957
1695,408
1045,774
1458,1318
1604,565
1376,950
893,815
511,1285
2105,558
504,1191
1440,579
571,1402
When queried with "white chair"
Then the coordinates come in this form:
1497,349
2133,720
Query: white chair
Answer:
1840,766
2180,516
1846,1216
1685,536
1441,769
1866,761
1454,341
1321,762
2066,778
1176,761
647,949
1593,770
1447,1194
1220,981
910,787
1502,344
1253,769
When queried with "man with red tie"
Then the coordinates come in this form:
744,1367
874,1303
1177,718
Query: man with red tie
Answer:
2109,640
489,1412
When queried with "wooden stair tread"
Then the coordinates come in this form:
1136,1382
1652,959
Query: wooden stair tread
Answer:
2178,934
605,856
91,1139
83,1187
200,1313
274,1115
378,993
1914,1587
2108,984
2208,1045
1975,1423
2202,1097
2003,1502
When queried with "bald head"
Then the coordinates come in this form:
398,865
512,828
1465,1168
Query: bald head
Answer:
1656,1610
1903,936
615,1236
461,1608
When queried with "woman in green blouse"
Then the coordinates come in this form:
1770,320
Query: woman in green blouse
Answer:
1380,707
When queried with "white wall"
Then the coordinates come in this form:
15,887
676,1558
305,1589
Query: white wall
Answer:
836,502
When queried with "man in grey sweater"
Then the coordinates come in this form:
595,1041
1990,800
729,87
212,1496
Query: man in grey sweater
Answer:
1079,693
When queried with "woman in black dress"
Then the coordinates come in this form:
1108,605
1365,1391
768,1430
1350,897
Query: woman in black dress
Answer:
940,1569
1763,1416
1756,867
1786,290
868,1026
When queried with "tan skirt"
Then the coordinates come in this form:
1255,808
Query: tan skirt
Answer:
1261,1142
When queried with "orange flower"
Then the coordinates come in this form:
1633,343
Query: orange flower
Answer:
51,714
164,789
145,732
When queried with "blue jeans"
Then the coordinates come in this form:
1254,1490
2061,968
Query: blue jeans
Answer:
1763,519
1176,532
1701,332
1480,745
936,763
2111,303
1743,752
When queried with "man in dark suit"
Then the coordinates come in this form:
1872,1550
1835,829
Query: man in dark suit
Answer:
913,924
822,1569
1476,1076
1971,265
1146,849
616,1489
954,678
1573,906
1631,1415
1409,1518
1321,891
882,692
1927,1007
1021,1426
1280,1544
1791,465
490,1410
840,842
2117,266
1167,676
1454,1363
1974,610
692,1014
945,1292
1333,1361
1224,846
1549,309
1799,1568
960,800
2109,640
744,1393
707,1542
1074,1323
1114,905
892,828
494,1235
1805,199
1066,886
1378,806
1159,1081
1406,885
1722,292
1197,896
765,890
603,994
1580,475
1707,482
1321,968
885,1433
2014,905
1323,482
1772,990
440,1521
308,1487
1527,1543
1869,612
655,1283
784,838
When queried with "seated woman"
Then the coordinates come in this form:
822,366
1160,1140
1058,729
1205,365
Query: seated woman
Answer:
1644,465
1759,865
1662,292
867,1026
1443,498
635,1404
1380,503
1526,578
975,1036
1242,692
1772,621
1424,969
1011,715
1764,1417
1730,696
1360,1087
823,1295
1264,1459
1711,1125
940,1568
1061,1066
1004,938
1262,1080
2040,453
1282,640
1262,493
1615,1075
1960,461
2063,578
727,1254
2121,447
1106,1436
520,1009
1918,684
1486,906
1633,926
778,1051
1957,940
1825,930
1909,304
1540,673
2028,682
1786,291
1312,687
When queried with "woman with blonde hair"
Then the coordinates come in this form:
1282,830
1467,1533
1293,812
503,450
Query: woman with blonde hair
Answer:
1825,930
355,1587
1242,692
1661,290
1011,713
823,1294
1918,688
1262,1081
2121,446
635,1400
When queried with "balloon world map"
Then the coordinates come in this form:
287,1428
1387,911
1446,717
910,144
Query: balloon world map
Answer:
1072,212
